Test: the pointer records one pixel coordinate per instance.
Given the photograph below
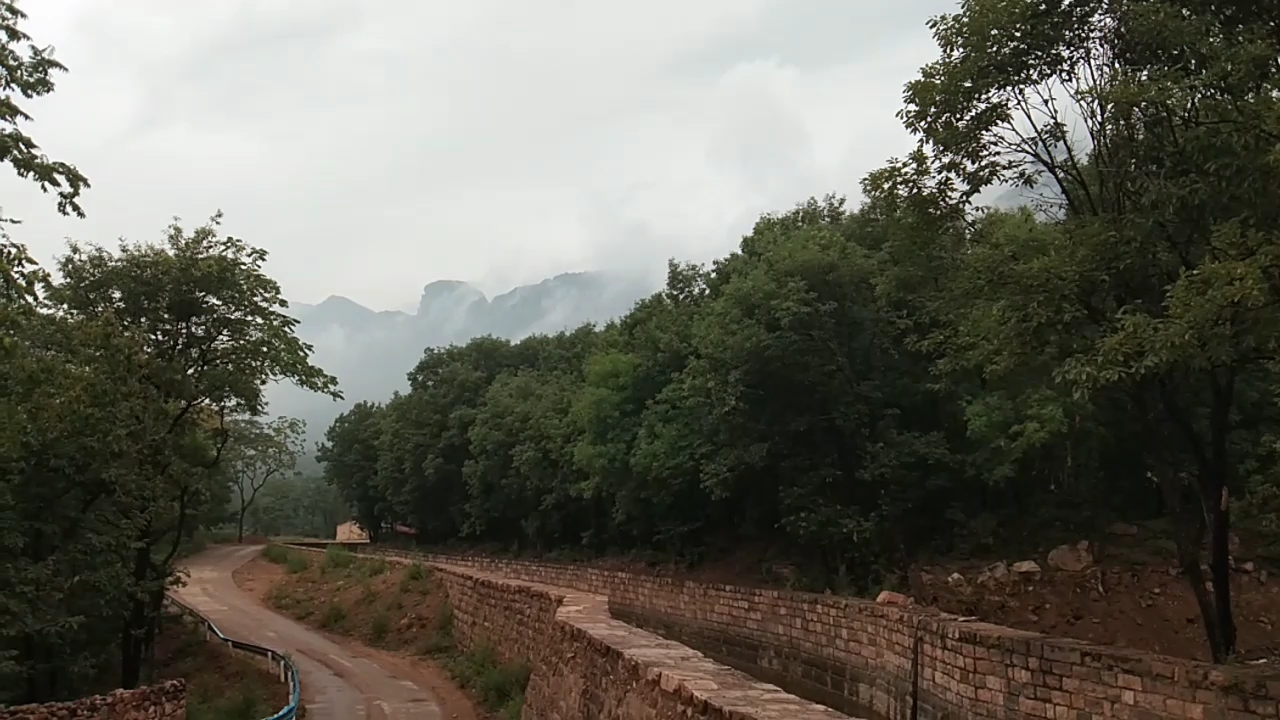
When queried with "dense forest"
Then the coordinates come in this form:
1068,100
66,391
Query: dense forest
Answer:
861,386
131,417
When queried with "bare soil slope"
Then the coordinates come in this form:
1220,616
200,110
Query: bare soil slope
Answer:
386,612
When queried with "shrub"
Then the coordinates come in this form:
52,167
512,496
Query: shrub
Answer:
440,641
337,558
297,563
372,568
277,554
499,686
368,596
411,576
334,615
378,630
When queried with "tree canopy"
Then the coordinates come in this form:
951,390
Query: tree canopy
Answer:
119,384
862,386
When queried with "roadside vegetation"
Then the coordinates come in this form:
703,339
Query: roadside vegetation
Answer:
220,684
395,607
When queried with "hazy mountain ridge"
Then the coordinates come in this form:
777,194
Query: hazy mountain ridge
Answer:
371,351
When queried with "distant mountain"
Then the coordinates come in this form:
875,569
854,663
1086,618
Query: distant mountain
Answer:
370,351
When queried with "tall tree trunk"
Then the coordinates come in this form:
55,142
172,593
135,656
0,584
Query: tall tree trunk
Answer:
1215,499
149,636
132,638
1220,569
1188,538
240,526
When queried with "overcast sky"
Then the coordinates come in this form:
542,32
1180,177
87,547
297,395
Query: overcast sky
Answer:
375,145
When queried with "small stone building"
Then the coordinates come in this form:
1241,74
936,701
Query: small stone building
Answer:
350,531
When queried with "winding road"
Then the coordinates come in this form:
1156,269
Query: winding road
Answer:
336,684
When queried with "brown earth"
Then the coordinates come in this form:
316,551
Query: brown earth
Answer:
210,669
385,617
1132,595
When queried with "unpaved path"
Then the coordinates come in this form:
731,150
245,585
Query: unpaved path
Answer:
337,684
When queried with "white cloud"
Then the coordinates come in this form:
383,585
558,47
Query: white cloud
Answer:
375,146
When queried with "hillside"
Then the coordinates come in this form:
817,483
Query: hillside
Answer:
370,351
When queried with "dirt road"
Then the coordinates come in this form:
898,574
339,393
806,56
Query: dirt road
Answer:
336,685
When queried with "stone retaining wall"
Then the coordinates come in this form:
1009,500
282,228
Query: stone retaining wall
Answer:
164,701
862,657
587,665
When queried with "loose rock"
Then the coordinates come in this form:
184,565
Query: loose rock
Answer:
889,597
1071,558
1026,567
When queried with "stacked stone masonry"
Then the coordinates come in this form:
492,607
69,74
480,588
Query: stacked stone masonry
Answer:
587,665
865,658
164,701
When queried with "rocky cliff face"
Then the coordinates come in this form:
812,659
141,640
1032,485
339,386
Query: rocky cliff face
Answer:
370,351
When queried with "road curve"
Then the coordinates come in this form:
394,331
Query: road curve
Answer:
336,685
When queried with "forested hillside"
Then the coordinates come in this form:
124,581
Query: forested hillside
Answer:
859,386
130,391
369,351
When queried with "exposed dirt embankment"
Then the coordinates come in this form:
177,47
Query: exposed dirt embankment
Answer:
392,614
1123,588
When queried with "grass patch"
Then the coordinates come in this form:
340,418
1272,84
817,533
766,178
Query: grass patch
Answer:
440,641
498,686
412,576
333,617
337,557
372,568
277,554
297,563
379,628
239,703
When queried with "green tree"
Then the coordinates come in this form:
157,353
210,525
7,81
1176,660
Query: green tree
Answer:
211,324
350,457
1163,259
257,453
59,458
297,505
67,467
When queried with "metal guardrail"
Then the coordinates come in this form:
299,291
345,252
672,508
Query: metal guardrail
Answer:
277,661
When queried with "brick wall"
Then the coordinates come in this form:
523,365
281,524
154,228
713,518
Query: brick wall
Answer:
164,701
587,665
861,657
